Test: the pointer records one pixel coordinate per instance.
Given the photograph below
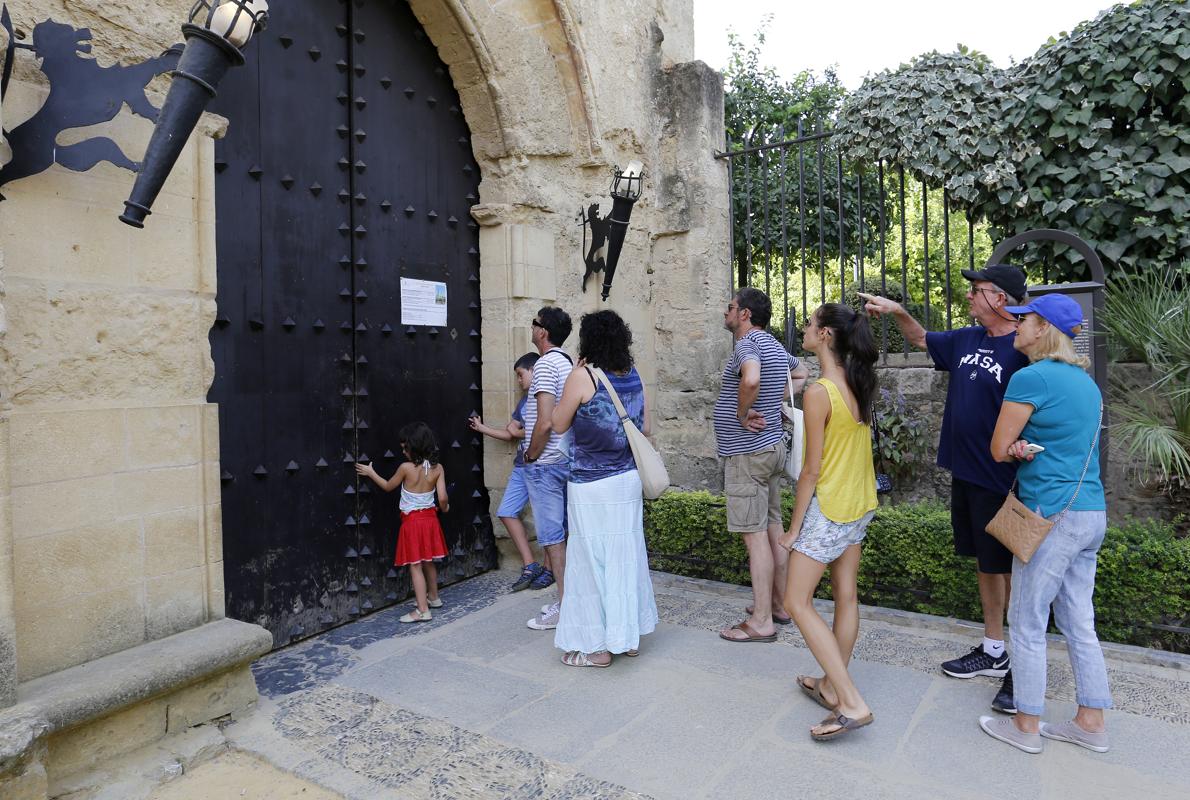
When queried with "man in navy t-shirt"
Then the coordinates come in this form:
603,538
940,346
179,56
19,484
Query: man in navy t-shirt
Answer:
980,360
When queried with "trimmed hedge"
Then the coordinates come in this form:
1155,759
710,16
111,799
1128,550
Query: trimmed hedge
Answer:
909,563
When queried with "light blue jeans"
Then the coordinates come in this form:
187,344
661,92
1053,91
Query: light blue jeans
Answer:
1061,573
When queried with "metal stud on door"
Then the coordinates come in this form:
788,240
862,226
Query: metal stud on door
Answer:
311,376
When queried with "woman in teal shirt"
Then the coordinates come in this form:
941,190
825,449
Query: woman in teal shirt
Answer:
1054,403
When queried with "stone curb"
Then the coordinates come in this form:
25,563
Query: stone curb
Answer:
79,694
911,619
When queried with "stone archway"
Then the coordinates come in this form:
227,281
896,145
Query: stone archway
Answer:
535,33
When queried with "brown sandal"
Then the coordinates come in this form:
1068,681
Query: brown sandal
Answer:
846,725
815,692
750,634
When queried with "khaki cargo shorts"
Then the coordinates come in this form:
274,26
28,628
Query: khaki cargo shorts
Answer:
753,486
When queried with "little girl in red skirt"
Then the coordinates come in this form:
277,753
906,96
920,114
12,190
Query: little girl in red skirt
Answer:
420,541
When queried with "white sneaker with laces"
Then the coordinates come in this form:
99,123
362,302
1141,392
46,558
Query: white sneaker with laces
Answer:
547,620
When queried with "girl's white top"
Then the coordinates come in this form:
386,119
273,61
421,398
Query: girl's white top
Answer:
416,501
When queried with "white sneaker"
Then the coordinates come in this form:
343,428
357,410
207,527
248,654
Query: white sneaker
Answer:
548,618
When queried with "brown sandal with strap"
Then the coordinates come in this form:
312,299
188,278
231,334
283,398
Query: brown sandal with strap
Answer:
814,692
750,634
846,725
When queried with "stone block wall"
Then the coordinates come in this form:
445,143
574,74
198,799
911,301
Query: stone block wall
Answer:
112,452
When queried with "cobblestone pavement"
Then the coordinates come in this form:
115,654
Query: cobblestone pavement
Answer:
475,705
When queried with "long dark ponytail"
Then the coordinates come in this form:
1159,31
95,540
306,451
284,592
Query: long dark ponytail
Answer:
854,345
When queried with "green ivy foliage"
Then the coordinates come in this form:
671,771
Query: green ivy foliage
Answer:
1091,135
761,108
909,563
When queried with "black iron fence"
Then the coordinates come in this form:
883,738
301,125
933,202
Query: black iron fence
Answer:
811,226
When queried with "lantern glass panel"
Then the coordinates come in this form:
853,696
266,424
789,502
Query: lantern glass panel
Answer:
628,182
235,20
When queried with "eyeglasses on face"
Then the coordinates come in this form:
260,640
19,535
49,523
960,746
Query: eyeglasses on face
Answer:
537,324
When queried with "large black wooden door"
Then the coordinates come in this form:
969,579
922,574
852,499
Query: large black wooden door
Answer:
347,166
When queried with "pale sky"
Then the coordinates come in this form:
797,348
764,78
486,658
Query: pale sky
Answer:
862,36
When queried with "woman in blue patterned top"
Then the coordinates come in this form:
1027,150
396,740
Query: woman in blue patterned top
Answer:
609,602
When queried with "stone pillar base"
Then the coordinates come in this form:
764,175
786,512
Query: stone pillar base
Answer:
77,719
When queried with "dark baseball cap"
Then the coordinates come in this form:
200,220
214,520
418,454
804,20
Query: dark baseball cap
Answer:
1006,276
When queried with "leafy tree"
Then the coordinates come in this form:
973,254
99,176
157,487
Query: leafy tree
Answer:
762,109
786,203
1091,135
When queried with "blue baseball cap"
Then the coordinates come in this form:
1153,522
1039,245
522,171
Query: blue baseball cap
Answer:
1059,310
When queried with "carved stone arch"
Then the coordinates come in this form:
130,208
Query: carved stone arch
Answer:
461,30
462,47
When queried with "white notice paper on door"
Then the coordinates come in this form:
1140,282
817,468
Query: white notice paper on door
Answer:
423,302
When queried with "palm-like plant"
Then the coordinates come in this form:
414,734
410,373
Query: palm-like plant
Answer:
1148,319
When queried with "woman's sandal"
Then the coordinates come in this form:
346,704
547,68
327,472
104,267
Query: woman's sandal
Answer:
814,692
576,658
846,725
631,653
416,616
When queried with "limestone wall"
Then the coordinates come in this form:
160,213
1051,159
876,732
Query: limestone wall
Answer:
109,517
112,450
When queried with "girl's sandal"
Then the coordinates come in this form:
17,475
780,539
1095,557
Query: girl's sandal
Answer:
576,658
814,692
843,726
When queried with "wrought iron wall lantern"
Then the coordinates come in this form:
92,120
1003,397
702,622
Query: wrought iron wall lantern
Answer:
607,233
216,33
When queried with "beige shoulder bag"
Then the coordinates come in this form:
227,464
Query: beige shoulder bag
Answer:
1020,529
654,479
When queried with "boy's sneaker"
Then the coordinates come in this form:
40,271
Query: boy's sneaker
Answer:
977,662
528,574
544,580
1004,702
547,620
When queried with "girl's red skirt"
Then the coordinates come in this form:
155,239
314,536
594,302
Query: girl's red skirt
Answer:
420,538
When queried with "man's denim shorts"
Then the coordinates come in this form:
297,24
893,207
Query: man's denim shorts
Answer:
546,484
516,496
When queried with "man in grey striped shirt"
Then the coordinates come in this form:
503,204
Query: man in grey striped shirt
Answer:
748,436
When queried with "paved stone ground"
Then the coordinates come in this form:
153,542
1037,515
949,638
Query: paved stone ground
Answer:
476,705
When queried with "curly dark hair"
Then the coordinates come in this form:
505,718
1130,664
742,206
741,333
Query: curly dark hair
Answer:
420,440
605,341
556,323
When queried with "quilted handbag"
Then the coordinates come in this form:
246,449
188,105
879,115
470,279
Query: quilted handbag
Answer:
1021,530
654,478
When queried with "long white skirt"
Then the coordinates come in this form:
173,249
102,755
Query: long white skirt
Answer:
608,602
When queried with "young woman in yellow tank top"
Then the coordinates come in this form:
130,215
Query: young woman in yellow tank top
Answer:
836,499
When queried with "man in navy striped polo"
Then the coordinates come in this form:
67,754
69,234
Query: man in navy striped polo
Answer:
748,436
